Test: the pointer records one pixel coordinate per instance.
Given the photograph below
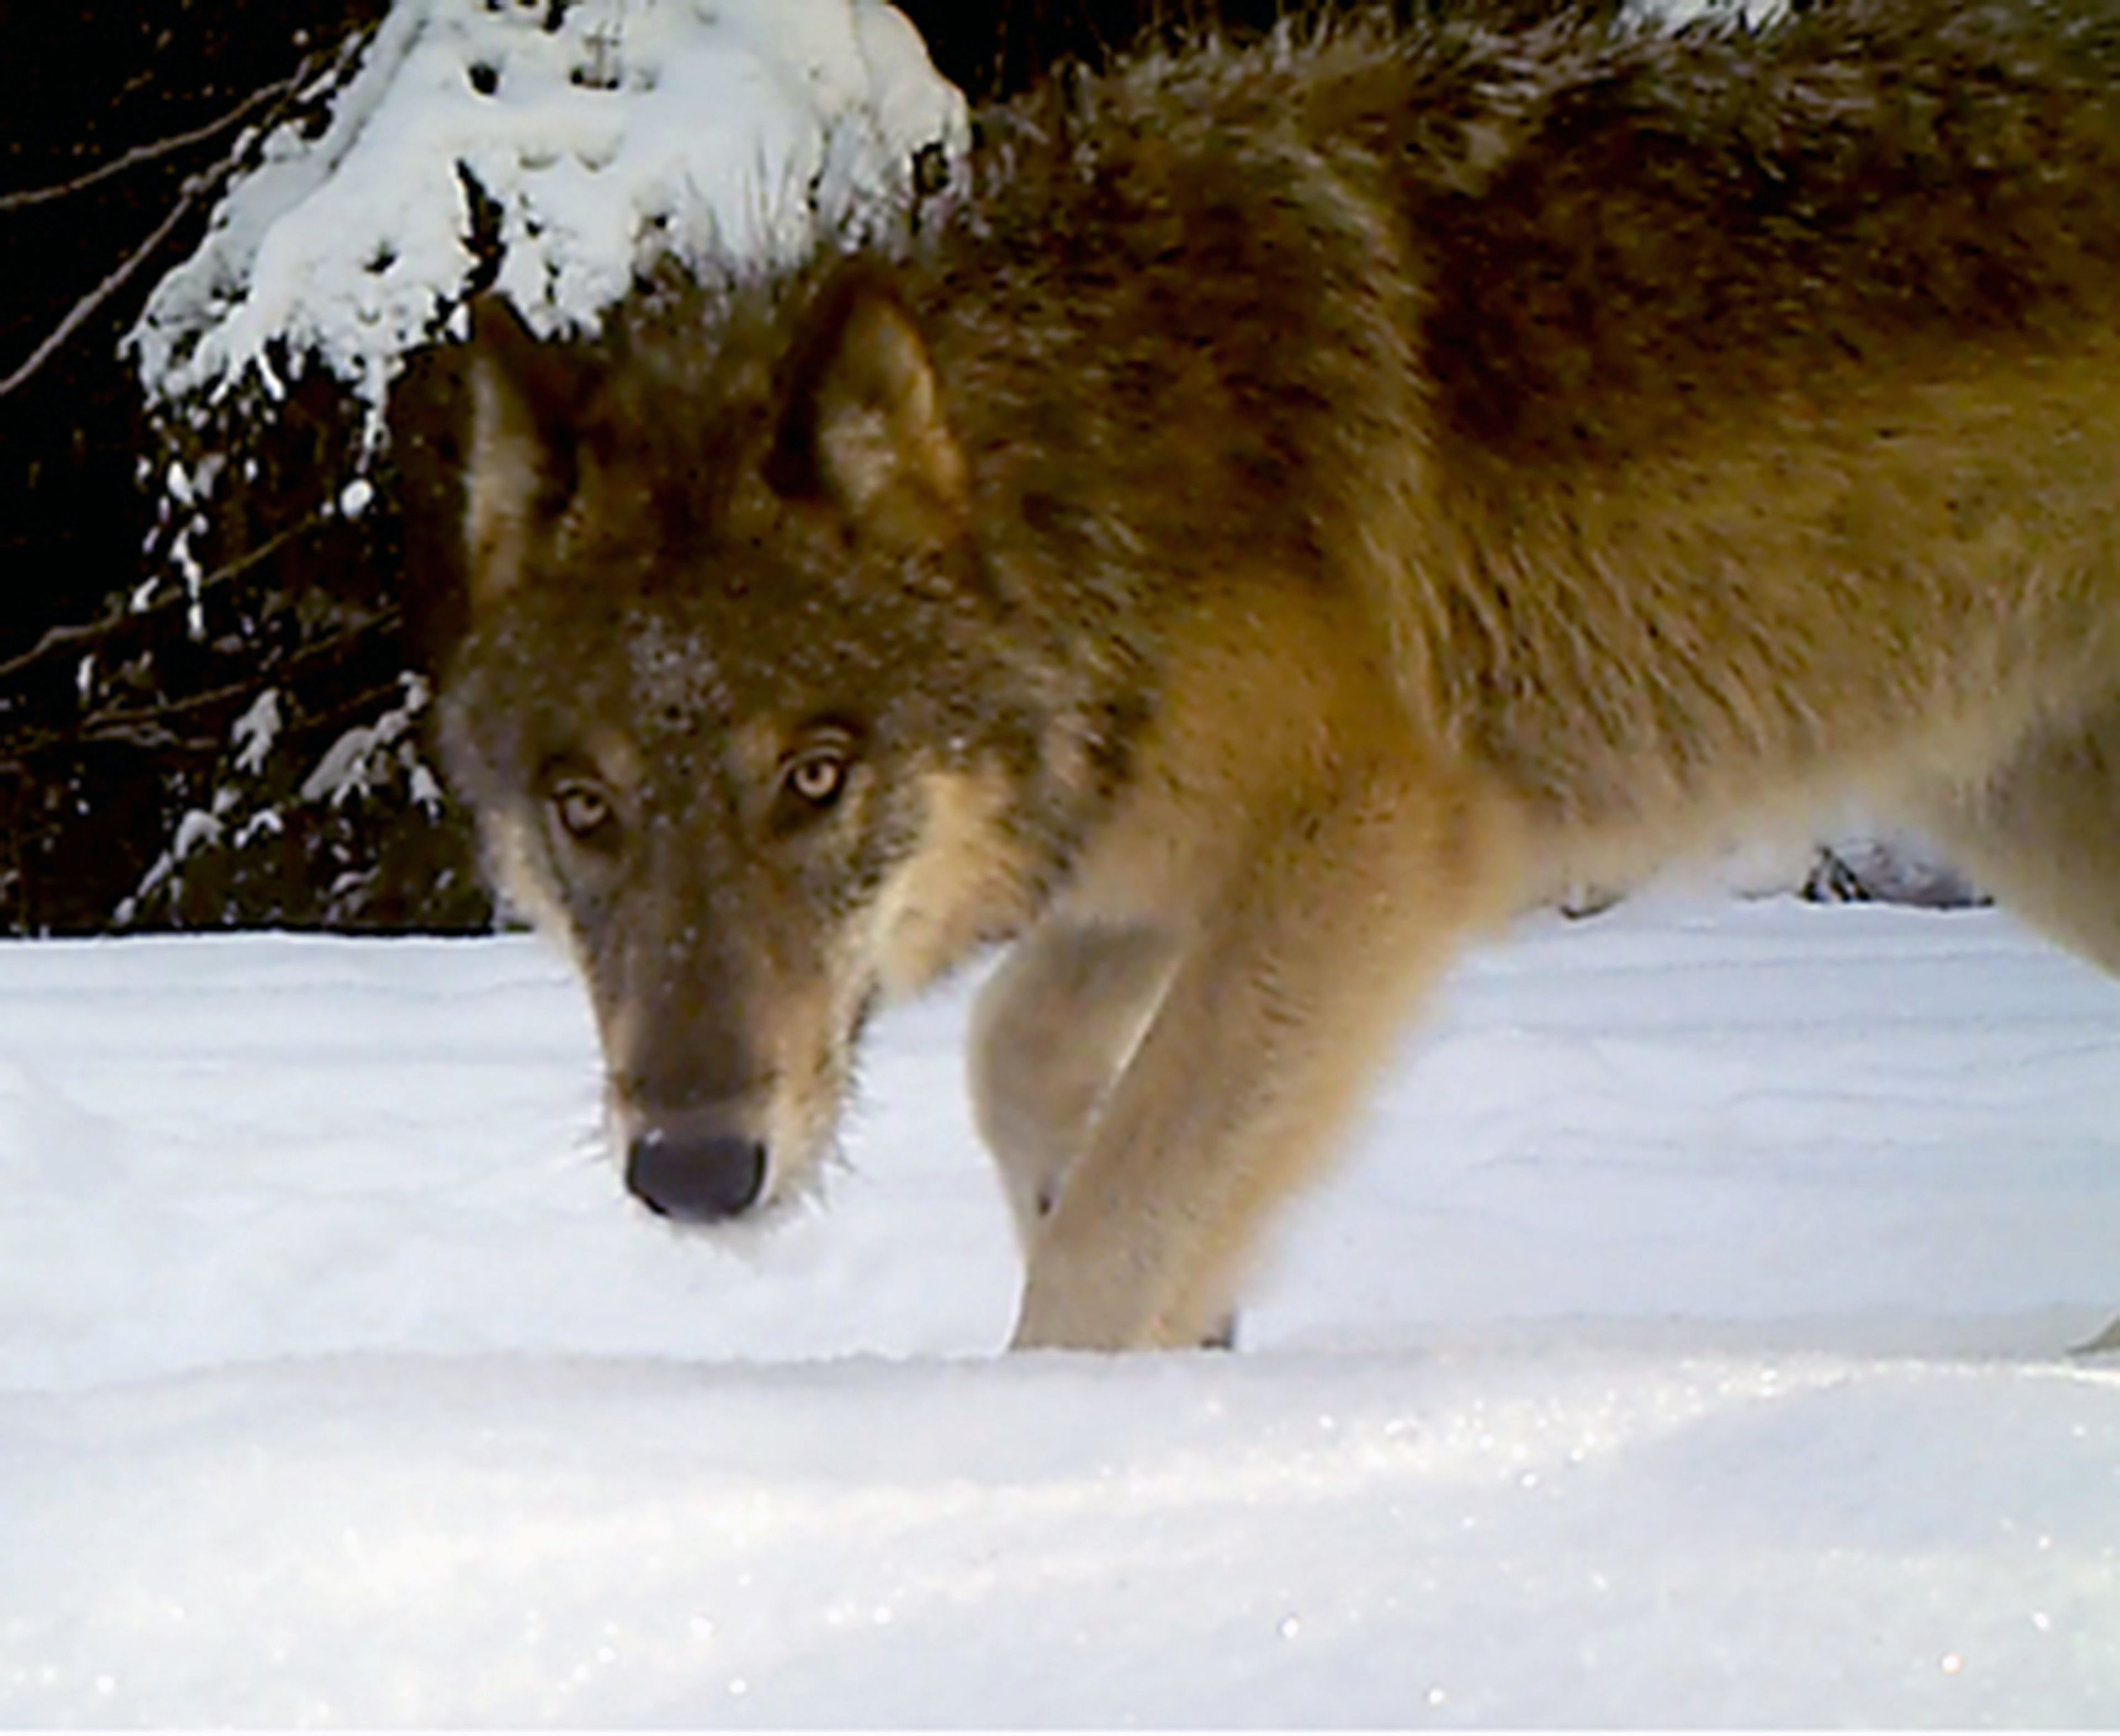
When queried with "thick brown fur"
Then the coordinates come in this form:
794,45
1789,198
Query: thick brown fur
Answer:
1306,504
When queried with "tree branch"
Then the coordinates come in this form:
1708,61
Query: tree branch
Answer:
144,725
58,638
160,147
194,188
84,310
107,725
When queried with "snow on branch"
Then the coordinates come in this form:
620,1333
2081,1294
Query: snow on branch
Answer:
605,133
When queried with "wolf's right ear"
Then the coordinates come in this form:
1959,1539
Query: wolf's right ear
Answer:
527,397
861,420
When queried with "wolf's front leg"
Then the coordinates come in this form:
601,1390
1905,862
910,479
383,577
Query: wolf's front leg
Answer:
1293,984
1053,1028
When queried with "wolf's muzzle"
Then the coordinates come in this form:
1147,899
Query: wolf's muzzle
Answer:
694,1177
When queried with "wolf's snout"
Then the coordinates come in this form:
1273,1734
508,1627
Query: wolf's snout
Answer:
694,1177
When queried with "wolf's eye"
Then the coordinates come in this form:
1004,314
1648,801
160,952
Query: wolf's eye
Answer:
582,809
818,776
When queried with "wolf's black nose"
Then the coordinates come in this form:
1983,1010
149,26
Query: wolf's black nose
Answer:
697,1179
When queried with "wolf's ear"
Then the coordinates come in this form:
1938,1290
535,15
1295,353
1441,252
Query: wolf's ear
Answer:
526,403
861,423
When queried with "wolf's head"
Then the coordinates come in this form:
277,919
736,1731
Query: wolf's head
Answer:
736,706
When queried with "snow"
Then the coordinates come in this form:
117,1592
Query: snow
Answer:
714,133
1682,1342
254,732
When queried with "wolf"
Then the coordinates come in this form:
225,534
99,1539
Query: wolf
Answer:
1295,507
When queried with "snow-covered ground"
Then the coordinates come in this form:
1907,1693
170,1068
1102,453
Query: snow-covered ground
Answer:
1683,1342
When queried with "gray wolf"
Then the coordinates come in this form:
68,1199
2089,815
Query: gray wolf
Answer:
1299,506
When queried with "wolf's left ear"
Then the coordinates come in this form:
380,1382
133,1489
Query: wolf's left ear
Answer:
527,397
861,423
